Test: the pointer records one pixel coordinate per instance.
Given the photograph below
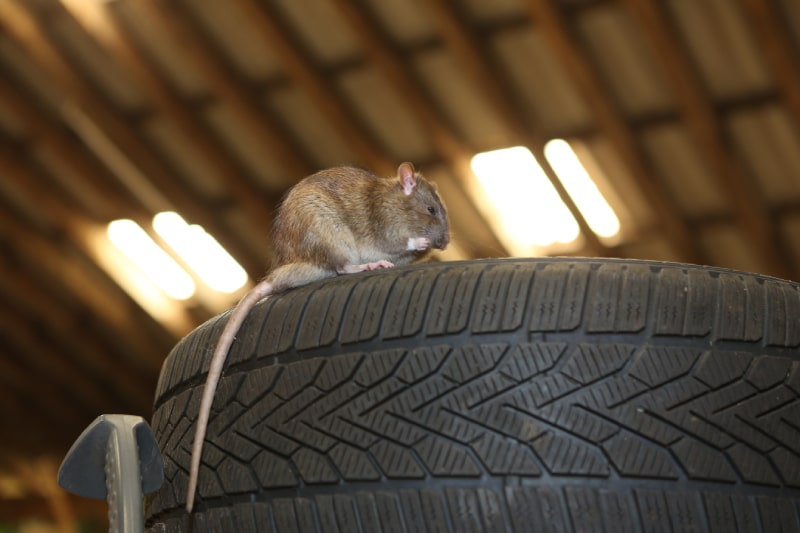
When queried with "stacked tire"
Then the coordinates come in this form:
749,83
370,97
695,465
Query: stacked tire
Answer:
500,395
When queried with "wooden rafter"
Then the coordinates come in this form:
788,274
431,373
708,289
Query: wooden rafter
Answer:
49,366
100,363
554,28
171,18
168,104
778,48
387,61
47,137
15,376
301,72
73,225
697,112
473,59
114,141
104,299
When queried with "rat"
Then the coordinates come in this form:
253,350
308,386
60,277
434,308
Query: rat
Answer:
342,220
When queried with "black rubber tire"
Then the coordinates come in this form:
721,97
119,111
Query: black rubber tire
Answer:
502,395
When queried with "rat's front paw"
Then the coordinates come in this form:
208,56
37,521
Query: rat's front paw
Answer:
419,244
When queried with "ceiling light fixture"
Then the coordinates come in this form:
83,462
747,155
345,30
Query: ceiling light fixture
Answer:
581,187
530,212
150,259
201,252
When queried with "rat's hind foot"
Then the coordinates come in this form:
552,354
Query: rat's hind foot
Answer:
352,269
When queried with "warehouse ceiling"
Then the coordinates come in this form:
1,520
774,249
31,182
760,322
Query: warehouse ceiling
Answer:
684,112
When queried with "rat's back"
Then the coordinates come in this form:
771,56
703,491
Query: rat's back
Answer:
327,208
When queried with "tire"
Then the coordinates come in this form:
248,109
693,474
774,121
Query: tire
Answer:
501,395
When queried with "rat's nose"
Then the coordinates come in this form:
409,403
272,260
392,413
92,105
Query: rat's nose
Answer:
442,242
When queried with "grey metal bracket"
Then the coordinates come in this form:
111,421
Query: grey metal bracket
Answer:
118,460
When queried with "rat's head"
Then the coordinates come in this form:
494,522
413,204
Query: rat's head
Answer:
425,213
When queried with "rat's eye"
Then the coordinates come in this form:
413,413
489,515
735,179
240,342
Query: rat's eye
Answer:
431,210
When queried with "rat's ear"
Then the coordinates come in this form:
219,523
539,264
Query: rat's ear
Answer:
407,177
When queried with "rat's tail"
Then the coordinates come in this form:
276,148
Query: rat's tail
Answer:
240,312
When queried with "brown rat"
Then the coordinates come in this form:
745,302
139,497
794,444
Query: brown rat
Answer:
338,221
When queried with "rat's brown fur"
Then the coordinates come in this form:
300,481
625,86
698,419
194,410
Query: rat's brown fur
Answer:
338,221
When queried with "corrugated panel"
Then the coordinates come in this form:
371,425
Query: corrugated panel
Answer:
655,249
384,111
256,237
623,194
241,42
406,22
26,206
790,229
97,63
321,29
726,247
716,33
769,142
185,157
483,11
238,140
10,123
166,52
684,171
791,11
458,193
319,138
461,101
551,100
627,64
30,74
80,191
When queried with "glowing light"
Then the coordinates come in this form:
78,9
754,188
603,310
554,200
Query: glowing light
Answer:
530,210
204,255
150,259
583,190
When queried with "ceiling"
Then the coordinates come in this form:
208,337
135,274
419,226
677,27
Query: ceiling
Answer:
687,109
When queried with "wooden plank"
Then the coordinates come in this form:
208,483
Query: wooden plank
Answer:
779,49
556,31
114,141
697,111
451,149
300,70
473,59
239,99
53,262
173,109
101,363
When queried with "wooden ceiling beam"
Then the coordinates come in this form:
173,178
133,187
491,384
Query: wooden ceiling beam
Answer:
23,181
778,48
697,111
114,141
471,56
317,88
451,149
222,85
388,61
34,304
46,363
42,413
47,137
58,399
171,106
557,33
56,264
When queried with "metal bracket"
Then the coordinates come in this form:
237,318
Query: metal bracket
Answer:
116,459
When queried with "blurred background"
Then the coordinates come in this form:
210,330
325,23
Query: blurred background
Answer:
144,146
